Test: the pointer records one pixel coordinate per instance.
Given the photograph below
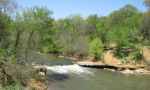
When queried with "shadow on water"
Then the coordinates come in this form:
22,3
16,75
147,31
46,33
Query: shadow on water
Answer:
57,77
45,59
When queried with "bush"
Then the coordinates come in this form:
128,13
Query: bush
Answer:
136,55
121,53
1,53
13,87
96,48
123,50
128,52
11,74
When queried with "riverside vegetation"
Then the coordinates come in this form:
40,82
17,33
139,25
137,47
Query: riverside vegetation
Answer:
124,31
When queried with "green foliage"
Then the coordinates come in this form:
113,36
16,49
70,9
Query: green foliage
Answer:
34,30
2,53
123,24
145,27
102,30
121,51
4,30
71,36
128,52
96,48
136,55
13,73
13,87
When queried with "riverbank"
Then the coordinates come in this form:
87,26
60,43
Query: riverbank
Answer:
121,68
110,62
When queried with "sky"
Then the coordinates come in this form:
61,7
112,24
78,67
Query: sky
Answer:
64,8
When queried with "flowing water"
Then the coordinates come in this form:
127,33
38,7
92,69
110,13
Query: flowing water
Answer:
69,76
74,77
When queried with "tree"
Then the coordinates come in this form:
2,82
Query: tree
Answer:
123,24
145,27
71,36
33,30
96,48
102,29
91,26
5,22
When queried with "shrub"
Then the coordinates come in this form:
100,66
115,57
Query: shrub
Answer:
14,73
120,53
96,48
136,55
1,53
13,87
123,50
128,52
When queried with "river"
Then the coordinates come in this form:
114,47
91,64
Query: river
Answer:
64,75
74,77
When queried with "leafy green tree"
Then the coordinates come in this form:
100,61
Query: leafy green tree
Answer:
102,29
32,31
96,48
145,27
123,24
92,21
5,22
71,36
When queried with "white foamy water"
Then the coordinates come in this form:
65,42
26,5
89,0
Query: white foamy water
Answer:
76,69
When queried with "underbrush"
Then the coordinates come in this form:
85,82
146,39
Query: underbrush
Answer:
14,76
13,87
128,53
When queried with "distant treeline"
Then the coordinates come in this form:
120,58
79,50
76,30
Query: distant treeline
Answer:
34,29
